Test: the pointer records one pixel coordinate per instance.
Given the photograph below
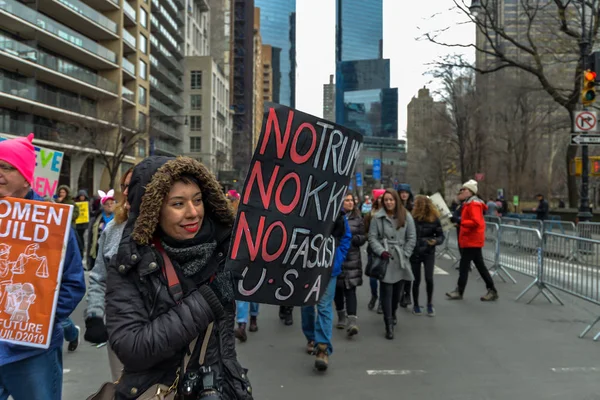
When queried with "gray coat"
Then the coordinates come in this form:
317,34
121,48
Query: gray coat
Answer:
383,236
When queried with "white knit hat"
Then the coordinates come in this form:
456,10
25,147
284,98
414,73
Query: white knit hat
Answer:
471,185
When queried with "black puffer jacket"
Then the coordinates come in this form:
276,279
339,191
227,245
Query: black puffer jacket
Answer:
147,329
351,275
427,231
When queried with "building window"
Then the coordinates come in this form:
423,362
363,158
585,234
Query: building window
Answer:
143,44
142,96
195,123
141,148
143,70
142,125
143,18
196,102
195,144
196,80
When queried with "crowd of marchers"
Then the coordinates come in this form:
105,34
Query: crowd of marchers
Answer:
160,297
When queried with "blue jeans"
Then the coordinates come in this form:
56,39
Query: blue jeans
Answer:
242,311
69,330
319,327
34,378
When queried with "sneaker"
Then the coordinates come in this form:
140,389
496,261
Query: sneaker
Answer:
240,333
417,310
75,343
310,347
491,295
454,295
322,361
430,310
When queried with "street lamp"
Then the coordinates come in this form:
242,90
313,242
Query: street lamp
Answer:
475,8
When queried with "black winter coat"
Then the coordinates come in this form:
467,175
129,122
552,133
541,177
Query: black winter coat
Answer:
427,231
148,330
351,275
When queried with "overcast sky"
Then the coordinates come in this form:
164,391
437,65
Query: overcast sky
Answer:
403,22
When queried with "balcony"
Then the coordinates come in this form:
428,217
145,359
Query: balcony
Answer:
41,101
130,42
30,24
165,55
128,69
161,91
81,17
130,14
30,61
103,5
62,134
128,96
164,111
162,147
161,129
165,74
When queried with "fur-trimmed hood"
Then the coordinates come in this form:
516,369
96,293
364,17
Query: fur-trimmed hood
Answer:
151,182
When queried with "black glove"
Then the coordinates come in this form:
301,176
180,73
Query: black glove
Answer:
95,330
224,286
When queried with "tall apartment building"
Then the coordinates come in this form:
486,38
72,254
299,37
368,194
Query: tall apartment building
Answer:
278,29
258,102
197,28
71,67
207,99
425,127
329,99
267,59
220,32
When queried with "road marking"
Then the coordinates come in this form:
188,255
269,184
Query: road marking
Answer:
439,271
66,371
390,372
576,369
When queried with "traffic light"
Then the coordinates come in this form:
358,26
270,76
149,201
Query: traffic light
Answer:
588,91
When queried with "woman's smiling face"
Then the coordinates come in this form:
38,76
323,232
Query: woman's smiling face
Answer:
182,212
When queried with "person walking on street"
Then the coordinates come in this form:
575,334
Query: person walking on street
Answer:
351,276
102,219
373,282
318,326
429,234
108,244
407,198
82,196
492,207
28,373
392,237
471,240
542,212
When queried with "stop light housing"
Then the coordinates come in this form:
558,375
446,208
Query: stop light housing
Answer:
588,91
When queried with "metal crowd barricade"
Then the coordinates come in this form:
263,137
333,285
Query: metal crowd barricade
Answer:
589,230
562,227
511,221
449,248
533,224
580,279
491,252
493,219
518,250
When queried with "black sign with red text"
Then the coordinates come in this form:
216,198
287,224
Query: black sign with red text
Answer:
293,193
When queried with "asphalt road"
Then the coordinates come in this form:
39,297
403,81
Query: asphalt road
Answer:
470,350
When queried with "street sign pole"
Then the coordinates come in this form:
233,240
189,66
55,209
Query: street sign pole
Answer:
584,205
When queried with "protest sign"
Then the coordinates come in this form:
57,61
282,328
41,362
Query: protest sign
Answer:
33,241
84,212
47,170
293,193
445,214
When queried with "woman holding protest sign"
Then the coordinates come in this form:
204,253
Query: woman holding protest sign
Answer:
429,235
392,237
351,276
108,244
167,289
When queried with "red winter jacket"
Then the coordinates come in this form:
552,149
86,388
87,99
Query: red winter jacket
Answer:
472,224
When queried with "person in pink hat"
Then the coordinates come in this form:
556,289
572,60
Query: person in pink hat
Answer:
28,373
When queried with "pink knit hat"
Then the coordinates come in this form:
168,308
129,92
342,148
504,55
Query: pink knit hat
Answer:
377,193
233,194
20,153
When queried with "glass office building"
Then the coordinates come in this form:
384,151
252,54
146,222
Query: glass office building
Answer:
278,29
359,30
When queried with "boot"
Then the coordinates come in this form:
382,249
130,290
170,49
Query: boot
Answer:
342,320
492,295
286,315
253,325
454,295
389,329
240,332
310,347
379,308
372,303
322,361
352,326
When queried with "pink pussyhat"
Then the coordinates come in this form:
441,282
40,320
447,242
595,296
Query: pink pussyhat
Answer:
233,194
377,193
20,153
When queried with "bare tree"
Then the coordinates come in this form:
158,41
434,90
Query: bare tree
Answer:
547,42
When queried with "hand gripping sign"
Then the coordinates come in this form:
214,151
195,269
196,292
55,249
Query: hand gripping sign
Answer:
33,242
293,193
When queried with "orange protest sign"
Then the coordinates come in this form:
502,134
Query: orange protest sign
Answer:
33,242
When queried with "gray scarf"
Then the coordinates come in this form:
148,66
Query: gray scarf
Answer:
191,259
